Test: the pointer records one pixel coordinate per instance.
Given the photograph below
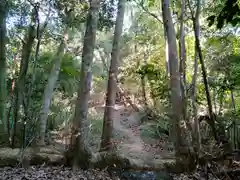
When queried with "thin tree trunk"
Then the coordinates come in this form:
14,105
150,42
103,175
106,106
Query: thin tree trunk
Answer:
39,35
197,137
49,89
80,148
174,76
182,69
204,72
20,83
112,82
3,87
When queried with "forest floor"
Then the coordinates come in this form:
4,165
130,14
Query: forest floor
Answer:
130,141
143,150
48,173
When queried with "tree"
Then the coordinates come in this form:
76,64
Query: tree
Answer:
3,87
112,82
19,91
52,80
80,148
40,30
196,130
174,76
182,66
204,72
68,20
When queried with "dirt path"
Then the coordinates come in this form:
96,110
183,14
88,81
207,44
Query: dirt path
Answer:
132,145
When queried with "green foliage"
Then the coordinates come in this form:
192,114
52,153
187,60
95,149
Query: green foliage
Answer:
69,74
228,73
151,3
157,80
234,73
72,12
61,112
229,14
106,15
156,129
223,64
96,124
100,83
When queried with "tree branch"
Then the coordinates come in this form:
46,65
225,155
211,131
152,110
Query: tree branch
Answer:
148,12
191,10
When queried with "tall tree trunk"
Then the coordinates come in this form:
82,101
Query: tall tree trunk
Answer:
20,83
112,82
174,76
39,34
80,148
3,88
182,68
197,137
49,89
204,72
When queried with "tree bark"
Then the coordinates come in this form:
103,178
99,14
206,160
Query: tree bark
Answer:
39,35
174,76
182,68
112,82
3,88
197,137
49,89
80,148
204,72
20,83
